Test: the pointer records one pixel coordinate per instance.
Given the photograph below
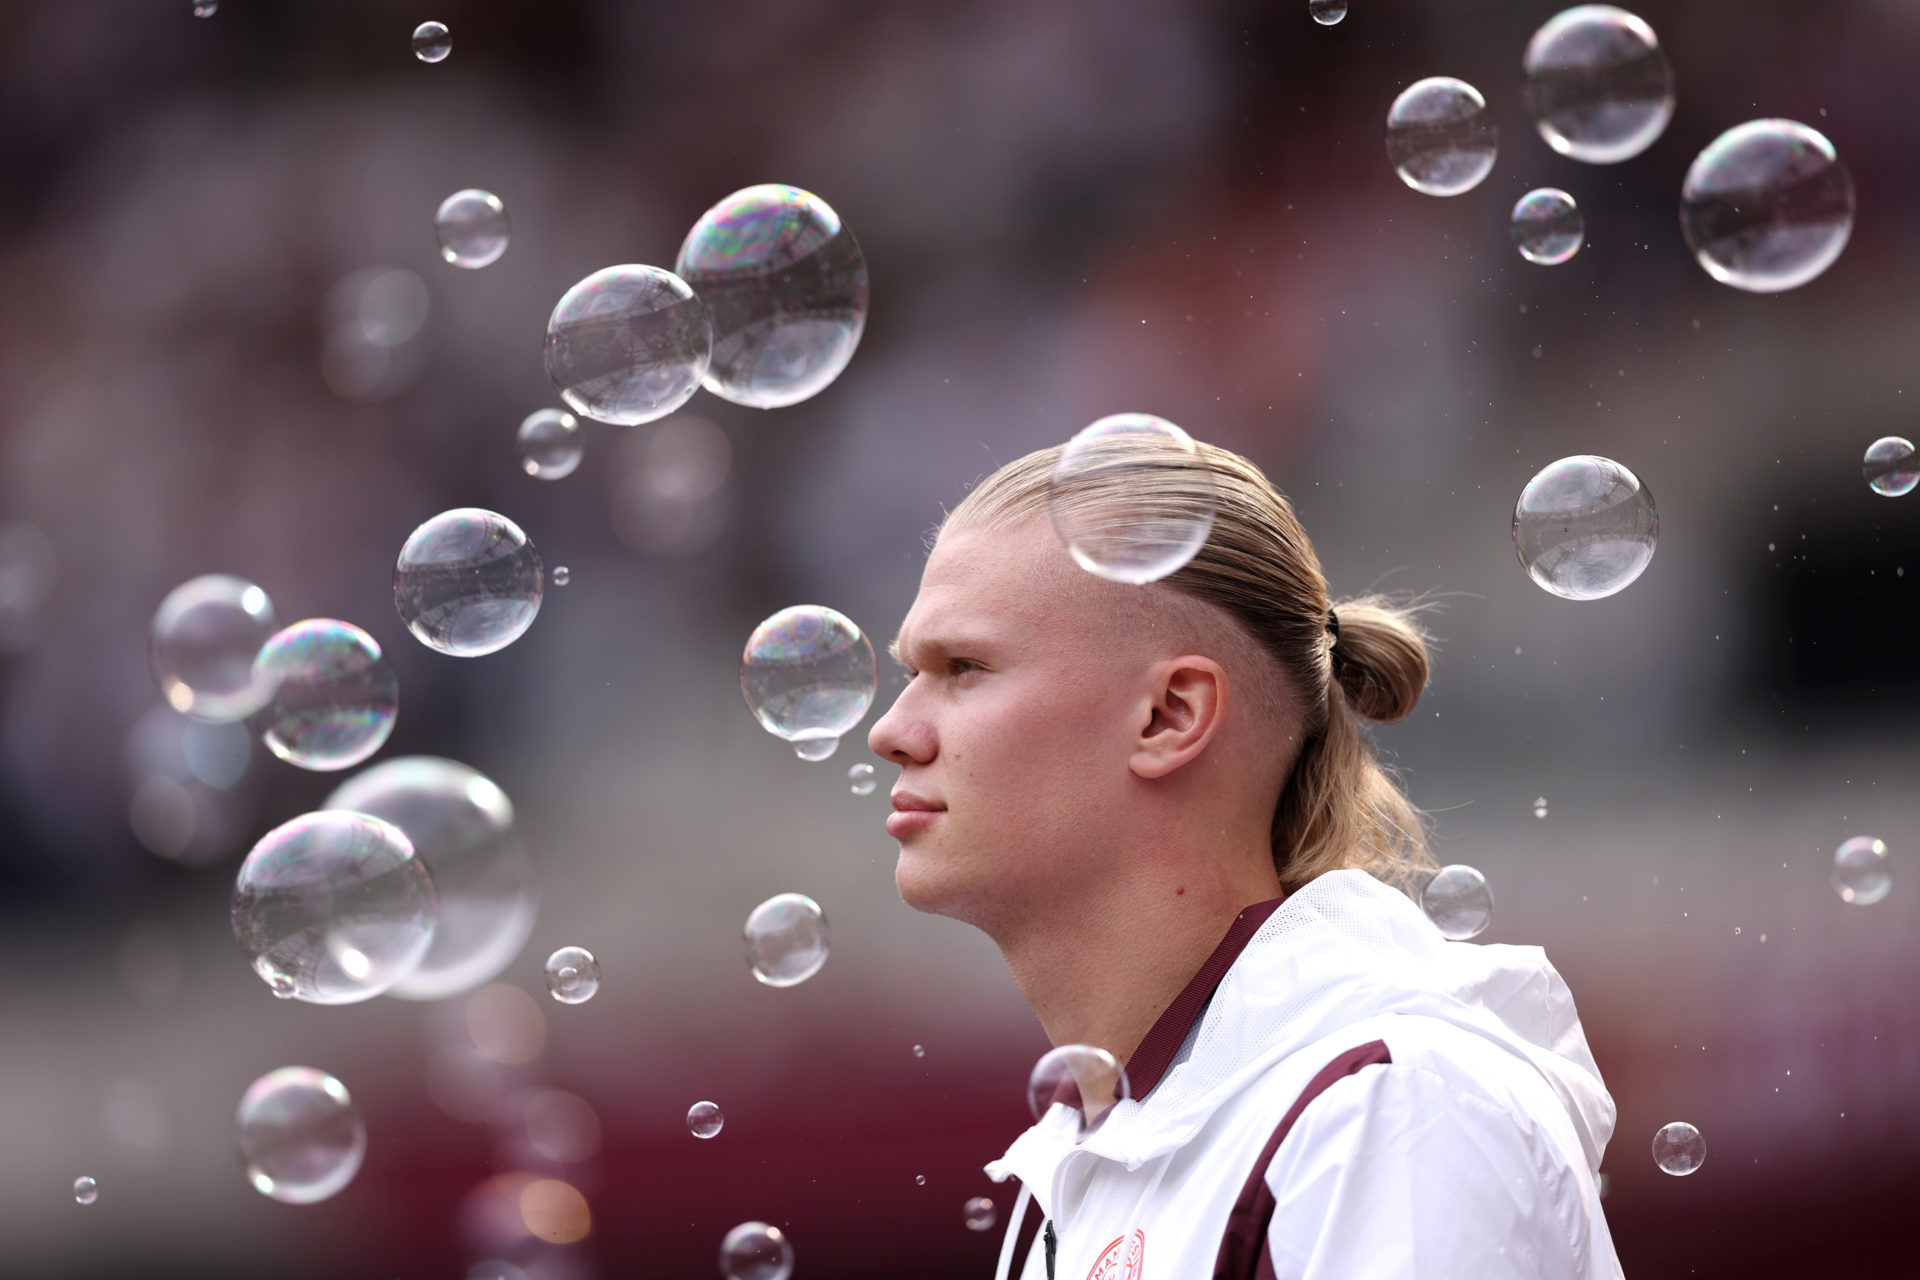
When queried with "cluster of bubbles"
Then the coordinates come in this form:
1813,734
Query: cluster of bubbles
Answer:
573,975
1459,901
808,675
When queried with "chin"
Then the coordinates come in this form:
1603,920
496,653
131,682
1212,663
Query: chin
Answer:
929,882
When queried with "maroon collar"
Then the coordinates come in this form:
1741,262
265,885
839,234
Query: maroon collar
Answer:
1156,1052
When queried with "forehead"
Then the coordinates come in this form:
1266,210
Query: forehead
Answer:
1003,584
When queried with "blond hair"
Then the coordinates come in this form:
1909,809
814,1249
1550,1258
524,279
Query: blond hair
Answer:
1338,806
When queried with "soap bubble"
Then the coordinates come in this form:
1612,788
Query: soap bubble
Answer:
1890,468
787,287
1326,13
1086,1078
1540,807
85,1189
333,907
1861,873
1767,206
808,675
629,344
1597,84
1679,1149
300,1135
334,699
1440,136
1459,902
786,939
472,228
756,1251
201,9
432,42
468,582
205,637
550,444
1547,226
573,975
704,1119
919,1051
1585,527
860,779
461,827
562,575
979,1212
1132,497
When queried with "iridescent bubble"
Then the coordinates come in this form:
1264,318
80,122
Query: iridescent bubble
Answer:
860,779
1459,902
1585,527
808,675
787,287
201,9
205,637
1132,498
573,975
85,1189
550,444
335,697
1862,873
704,1120
472,228
1540,807
468,582
979,1212
461,827
300,1135
1326,13
1679,1149
1767,206
786,940
1081,1076
1440,136
1890,468
432,42
756,1251
334,907
562,575
629,344
1597,84
1547,226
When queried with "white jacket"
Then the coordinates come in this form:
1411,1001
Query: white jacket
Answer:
1340,1094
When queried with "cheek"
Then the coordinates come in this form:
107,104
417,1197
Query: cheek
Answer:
1035,737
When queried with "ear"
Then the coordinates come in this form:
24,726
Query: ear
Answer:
1189,704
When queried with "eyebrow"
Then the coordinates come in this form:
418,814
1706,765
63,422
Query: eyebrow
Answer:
939,644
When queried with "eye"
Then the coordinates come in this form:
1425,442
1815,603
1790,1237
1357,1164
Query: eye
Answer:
957,667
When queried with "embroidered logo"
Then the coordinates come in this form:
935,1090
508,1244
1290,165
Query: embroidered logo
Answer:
1124,1259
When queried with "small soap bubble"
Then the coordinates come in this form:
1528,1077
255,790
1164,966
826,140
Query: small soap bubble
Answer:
808,676
860,779
1597,84
920,1179
334,907
1547,226
1890,468
786,939
1540,807
300,1136
335,696
468,582
1585,527
704,1119
756,1251
573,975
1132,498
979,1214
1862,873
201,9
1679,1149
1767,206
787,287
1081,1076
550,444
562,575
1327,12
86,1190
1459,902
629,344
919,1051
1441,137
205,637
472,228
432,42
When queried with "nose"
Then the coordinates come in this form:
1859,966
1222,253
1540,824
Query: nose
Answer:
902,735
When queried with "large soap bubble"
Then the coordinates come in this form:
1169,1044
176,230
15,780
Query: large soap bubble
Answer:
1679,1149
335,696
1547,226
461,827
468,582
808,675
1767,206
1441,137
300,1136
787,287
629,344
1890,468
333,907
786,939
472,228
432,42
1597,84
1132,497
1459,902
1585,527
756,1251
1862,873
1081,1076
206,635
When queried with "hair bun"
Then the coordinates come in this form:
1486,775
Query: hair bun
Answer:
1379,657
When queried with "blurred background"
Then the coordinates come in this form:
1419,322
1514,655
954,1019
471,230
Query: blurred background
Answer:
1068,209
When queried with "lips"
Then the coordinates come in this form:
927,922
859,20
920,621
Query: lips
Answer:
911,814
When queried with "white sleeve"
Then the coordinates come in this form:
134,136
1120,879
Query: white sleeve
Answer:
1395,1173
